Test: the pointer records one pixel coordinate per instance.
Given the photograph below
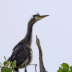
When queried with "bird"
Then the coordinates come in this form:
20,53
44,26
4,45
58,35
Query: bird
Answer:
22,52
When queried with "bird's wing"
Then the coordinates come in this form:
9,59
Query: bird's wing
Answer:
20,53
20,43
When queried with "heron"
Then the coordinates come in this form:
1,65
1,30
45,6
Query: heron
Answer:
22,52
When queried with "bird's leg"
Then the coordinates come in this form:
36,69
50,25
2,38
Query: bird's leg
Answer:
25,68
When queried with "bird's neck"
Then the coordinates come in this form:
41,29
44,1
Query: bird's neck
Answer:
28,36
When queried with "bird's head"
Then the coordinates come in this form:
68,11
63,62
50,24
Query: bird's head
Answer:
39,17
36,18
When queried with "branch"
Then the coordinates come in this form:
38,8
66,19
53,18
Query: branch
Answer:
35,66
42,68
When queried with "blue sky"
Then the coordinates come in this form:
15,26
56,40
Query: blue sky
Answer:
54,32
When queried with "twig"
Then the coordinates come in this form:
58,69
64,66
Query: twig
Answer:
42,68
35,66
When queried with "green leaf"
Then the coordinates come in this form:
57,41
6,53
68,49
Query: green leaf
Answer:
1,70
60,68
4,69
8,63
70,67
4,57
10,69
65,65
69,70
5,62
65,70
14,64
59,71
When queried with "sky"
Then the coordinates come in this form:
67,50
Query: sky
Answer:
54,31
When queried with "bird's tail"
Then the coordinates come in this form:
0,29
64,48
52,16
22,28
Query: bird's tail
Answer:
16,70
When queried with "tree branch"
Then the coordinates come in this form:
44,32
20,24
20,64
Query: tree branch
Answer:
42,68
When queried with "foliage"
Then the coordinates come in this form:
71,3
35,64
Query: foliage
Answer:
65,68
7,66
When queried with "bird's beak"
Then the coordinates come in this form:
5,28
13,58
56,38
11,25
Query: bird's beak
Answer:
43,16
